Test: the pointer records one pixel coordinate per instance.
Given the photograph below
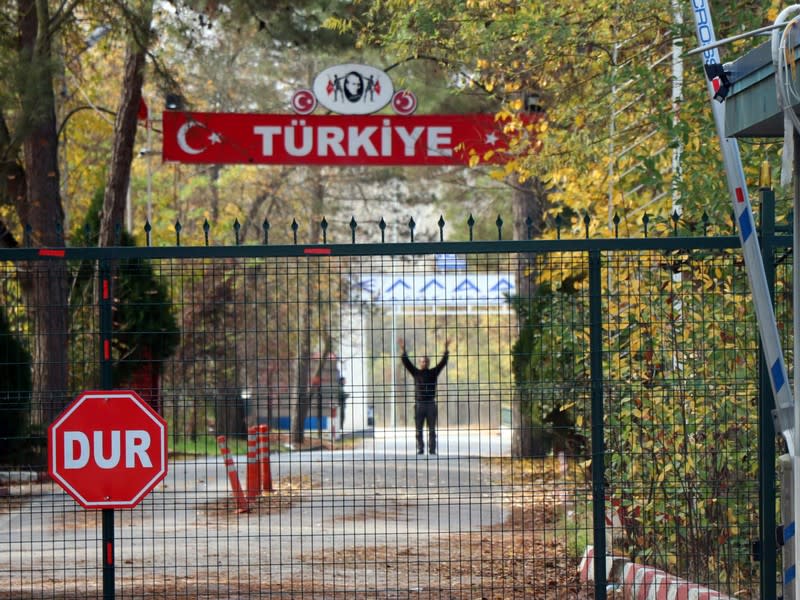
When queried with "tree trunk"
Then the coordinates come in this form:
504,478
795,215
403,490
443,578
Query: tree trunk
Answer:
45,286
125,125
529,201
302,389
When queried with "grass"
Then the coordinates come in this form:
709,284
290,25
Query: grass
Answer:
204,445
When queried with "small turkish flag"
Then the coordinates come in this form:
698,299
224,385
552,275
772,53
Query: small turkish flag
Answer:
143,113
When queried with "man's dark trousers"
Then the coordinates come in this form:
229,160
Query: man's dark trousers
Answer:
426,411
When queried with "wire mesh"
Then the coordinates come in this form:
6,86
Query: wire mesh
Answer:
310,348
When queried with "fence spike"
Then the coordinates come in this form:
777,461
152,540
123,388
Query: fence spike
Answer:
675,217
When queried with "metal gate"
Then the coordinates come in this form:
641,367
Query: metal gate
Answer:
625,370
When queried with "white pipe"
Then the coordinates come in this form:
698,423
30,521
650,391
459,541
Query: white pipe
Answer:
677,100
733,38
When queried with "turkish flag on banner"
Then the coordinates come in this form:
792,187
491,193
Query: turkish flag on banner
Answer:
235,138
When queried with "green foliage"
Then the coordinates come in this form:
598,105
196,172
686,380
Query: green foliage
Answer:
550,357
15,389
604,76
145,328
680,385
680,412
203,445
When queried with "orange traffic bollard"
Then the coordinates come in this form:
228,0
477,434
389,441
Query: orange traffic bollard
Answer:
253,483
263,458
233,476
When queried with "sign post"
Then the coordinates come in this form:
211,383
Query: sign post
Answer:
106,314
108,450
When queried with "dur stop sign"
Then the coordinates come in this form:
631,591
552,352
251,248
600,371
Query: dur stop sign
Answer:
108,449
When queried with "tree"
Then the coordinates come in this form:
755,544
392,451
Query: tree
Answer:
127,119
145,331
597,70
244,73
29,176
29,165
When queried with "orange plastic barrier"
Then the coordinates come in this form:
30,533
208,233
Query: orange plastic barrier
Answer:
263,458
233,476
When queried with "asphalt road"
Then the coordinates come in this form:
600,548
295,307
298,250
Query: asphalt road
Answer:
351,507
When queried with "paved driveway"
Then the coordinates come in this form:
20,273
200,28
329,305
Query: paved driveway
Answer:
360,502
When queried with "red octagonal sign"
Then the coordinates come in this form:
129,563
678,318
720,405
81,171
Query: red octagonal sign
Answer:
108,449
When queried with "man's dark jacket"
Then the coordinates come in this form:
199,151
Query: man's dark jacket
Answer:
425,379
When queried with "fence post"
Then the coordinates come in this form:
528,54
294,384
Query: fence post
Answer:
598,417
766,402
106,382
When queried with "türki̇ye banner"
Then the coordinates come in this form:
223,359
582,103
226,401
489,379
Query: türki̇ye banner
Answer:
235,138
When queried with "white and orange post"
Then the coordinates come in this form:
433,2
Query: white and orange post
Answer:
263,458
233,476
253,475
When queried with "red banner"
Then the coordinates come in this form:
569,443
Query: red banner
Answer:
233,138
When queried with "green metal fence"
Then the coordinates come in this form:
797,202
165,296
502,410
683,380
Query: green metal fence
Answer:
625,370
